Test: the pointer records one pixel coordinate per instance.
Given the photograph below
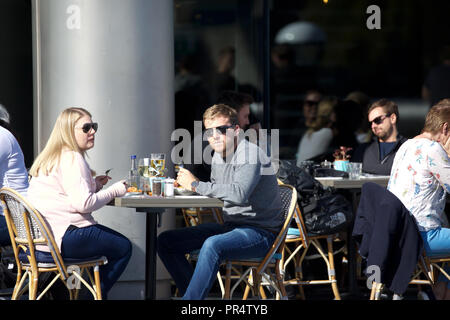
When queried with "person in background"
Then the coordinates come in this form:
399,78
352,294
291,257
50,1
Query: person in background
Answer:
241,103
251,211
379,155
223,78
13,173
63,189
420,178
318,137
310,105
437,81
347,120
363,133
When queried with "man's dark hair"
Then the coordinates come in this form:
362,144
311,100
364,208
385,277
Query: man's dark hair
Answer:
235,100
390,107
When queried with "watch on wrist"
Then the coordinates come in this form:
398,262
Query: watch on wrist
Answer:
194,185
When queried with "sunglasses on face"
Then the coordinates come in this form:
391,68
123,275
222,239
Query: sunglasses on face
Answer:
88,126
379,119
311,102
208,133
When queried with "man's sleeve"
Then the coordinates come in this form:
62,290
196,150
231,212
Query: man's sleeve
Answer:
238,191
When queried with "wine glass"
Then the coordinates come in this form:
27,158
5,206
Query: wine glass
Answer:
158,162
143,167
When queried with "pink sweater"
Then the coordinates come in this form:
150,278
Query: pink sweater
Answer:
69,195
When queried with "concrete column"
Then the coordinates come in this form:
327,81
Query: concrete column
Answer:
114,58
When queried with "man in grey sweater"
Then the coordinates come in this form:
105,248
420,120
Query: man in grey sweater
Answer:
242,176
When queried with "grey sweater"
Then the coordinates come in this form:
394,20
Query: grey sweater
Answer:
247,185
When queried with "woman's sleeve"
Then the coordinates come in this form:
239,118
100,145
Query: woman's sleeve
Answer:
439,165
79,185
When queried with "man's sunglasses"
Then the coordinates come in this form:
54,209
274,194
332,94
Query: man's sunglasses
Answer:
378,120
208,133
88,126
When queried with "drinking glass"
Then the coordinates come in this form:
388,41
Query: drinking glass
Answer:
354,170
157,187
157,163
145,185
143,165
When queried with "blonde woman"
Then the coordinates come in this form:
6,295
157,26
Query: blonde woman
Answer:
317,139
65,192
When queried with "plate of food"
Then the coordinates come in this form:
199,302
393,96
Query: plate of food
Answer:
133,191
183,192
129,194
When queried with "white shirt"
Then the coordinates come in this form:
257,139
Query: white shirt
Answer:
314,144
420,178
13,173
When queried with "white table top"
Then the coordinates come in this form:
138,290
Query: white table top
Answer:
194,201
345,183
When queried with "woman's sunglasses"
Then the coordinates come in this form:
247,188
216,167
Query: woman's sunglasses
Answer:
208,133
88,126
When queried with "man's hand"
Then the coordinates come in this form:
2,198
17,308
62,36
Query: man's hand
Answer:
185,178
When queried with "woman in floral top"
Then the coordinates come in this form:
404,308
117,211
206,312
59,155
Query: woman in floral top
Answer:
420,178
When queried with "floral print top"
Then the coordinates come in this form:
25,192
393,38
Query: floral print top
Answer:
420,178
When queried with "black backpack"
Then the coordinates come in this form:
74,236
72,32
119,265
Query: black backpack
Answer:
324,210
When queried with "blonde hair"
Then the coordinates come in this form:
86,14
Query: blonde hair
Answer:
324,111
437,116
221,110
61,137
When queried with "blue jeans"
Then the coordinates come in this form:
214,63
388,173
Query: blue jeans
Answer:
98,240
217,243
437,242
5,240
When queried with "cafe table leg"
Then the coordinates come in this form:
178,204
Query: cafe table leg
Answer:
150,252
352,252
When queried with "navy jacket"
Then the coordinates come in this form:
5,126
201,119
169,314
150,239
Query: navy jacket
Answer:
387,236
371,158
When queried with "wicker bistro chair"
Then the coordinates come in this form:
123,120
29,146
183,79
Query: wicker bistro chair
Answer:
427,271
268,268
196,216
27,229
298,244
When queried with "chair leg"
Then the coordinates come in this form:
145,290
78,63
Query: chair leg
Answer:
372,291
98,288
280,285
257,285
247,286
376,291
332,271
299,275
227,281
19,283
33,285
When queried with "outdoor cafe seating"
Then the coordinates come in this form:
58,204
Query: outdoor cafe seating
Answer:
28,230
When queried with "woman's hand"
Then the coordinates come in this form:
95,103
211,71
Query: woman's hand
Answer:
101,181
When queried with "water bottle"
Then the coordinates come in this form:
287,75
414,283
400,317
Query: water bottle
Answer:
133,177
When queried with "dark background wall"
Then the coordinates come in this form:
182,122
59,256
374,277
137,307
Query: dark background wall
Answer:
16,70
